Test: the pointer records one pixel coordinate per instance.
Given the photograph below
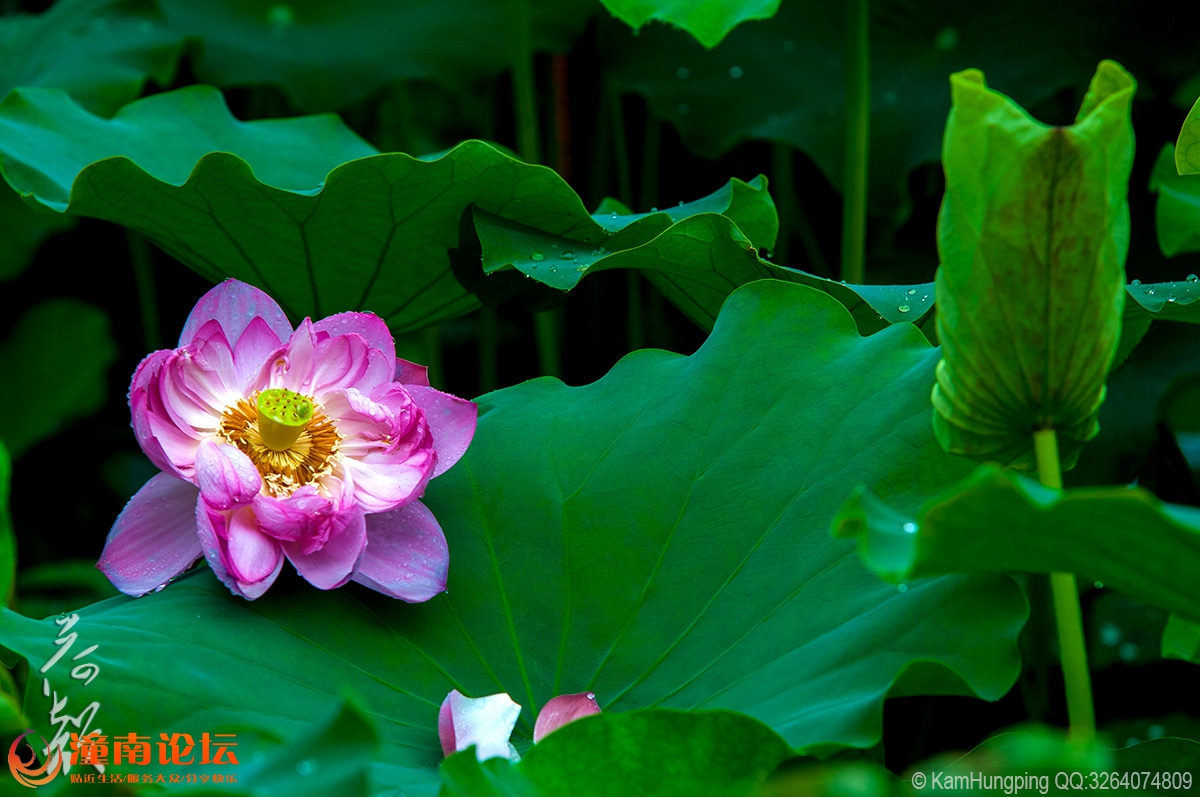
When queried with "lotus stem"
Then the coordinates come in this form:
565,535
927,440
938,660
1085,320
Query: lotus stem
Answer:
143,275
858,118
1072,651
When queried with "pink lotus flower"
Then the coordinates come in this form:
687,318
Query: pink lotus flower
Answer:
311,444
488,722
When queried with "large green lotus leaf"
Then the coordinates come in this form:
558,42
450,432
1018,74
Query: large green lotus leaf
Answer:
659,537
1187,147
708,21
1034,750
1181,640
327,55
100,51
1032,234
303,208
615,755
783,79
998,521
696,262
1177,214
64,347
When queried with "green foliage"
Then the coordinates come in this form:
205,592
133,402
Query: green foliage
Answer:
1187,148
1019,360
783,79
55,360
100,51
644,752
1181,640
1177,217
998,521
8,545
708,20
673,552
327,55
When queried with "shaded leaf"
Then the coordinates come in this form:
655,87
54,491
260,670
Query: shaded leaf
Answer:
62,346
998,521
645,752
783,79
1177,213
100,51
697,261
708,20
659,538
1176,760
327,55
1030,287
1181,640
22,231
8,543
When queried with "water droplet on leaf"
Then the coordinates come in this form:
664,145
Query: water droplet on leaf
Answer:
537,256
1136,282
912,291
735,72
306,767
904,308
1110,635
902,588
910,528
568,255
1193,278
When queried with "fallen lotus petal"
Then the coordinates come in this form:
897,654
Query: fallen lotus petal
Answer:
485,722
563,709
1032,234
311,445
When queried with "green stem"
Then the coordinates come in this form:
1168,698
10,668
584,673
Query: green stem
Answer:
620,145
650,148
520,54
546,329
858,118
1066,609
791,214
143,275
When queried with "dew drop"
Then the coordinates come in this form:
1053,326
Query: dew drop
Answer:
904,308
306,767
1193,278
1129,651
653,210
1150,290
1136,282
680,203
614,215
1155,732
591,695
568,255
1098,584
553,246
683,109
1110,635
682,73
910,528
553,270
735,72
581,269
1171,298
537,256
912,291
902,588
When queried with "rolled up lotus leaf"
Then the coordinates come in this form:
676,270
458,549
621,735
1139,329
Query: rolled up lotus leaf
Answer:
1032,234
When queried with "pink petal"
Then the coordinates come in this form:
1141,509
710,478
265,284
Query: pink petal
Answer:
332,565
368,325
296,362
409,374
486,722
252,555
381,486
563,709
254,349
214,528
406,555
154,538
446,725
143,400
226,476
452,421
340,362
234,305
